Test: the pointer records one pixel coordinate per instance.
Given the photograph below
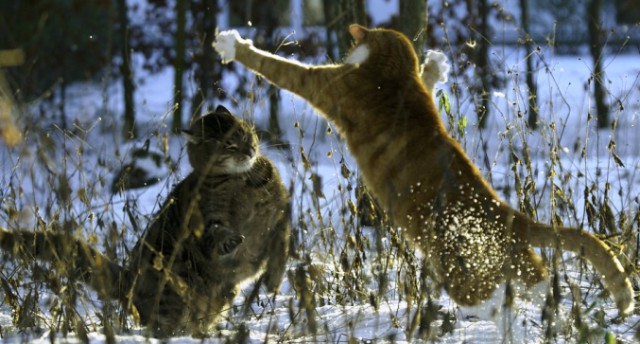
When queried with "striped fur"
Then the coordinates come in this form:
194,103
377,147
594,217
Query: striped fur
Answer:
225,223
419,174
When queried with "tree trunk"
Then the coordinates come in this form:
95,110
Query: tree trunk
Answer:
532,119
267,17
62,104
349,12
178,64
275,132
482,61
596,49
206,72
627,12
129,127
330,9
413,23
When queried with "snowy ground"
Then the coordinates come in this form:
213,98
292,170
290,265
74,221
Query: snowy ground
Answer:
89,152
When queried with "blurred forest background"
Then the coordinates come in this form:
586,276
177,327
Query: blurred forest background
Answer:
53,52
47,45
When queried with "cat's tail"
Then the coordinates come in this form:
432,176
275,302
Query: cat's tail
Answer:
66,252
600,255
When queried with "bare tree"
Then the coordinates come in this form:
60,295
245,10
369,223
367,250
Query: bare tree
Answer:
532,120
206,73
179,64
596,48
271,22
339,15
129,127
627,11
413,23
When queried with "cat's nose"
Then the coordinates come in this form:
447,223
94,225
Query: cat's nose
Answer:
250,152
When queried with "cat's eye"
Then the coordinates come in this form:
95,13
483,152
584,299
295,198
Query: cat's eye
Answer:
231,147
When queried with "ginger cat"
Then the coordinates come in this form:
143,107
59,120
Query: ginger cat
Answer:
418,173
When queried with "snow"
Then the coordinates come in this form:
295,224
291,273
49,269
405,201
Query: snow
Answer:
564,102
338,322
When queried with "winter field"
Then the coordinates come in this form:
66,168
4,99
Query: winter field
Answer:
347,282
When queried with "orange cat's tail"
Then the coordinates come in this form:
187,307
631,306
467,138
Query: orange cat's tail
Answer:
595,251
65,252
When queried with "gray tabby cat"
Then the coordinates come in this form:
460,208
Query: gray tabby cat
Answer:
226,222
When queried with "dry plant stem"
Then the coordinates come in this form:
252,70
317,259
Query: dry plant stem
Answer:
379,103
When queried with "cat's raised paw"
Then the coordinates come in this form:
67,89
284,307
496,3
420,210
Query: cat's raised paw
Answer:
434,69
225,44
439,64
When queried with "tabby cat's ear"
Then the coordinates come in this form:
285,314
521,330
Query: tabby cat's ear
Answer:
358,32
190,136
222,109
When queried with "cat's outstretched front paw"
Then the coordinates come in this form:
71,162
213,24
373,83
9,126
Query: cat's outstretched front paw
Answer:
435,68
226,42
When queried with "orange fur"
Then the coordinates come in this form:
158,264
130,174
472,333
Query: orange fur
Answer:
419,174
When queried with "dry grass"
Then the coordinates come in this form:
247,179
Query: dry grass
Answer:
352,271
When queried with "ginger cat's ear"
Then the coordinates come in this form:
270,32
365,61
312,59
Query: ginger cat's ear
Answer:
358,32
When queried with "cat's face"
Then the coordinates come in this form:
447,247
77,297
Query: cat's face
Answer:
220,143
389,52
